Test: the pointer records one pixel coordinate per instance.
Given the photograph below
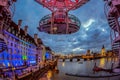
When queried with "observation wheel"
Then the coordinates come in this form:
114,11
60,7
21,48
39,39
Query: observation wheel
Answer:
60,22
66,5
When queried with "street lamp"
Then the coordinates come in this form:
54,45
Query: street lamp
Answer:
55,29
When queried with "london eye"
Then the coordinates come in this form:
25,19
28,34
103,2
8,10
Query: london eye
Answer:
60,22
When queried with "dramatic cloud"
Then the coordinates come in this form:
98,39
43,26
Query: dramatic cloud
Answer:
88,23
77,49
93,33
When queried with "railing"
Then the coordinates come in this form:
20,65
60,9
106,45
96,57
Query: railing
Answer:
37,74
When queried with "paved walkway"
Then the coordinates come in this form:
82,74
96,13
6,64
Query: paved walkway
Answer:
47,76
44,77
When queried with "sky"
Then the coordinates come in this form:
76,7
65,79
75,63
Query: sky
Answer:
93,34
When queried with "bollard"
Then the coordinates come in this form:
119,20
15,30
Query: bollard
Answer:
78,59
70,60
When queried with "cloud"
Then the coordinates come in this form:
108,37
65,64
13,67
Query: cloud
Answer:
88,23
77,49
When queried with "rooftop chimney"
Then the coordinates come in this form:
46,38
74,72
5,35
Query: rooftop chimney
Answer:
19,24
26,30
35,38
39,41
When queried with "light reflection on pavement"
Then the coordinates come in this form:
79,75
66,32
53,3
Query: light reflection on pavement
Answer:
47,76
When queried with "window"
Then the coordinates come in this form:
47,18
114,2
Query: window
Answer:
10,38
11,44
1,56
7,42
9,29
19,36
17,51
13,31
10,50
15,45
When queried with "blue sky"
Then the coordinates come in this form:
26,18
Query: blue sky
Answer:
94,30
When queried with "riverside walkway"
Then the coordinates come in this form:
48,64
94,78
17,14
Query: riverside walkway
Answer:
37,74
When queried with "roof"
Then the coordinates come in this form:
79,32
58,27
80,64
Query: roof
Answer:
22,32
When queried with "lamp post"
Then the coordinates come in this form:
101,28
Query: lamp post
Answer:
55,29
13,71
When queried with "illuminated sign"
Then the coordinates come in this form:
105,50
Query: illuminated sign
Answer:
24,57
47,55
